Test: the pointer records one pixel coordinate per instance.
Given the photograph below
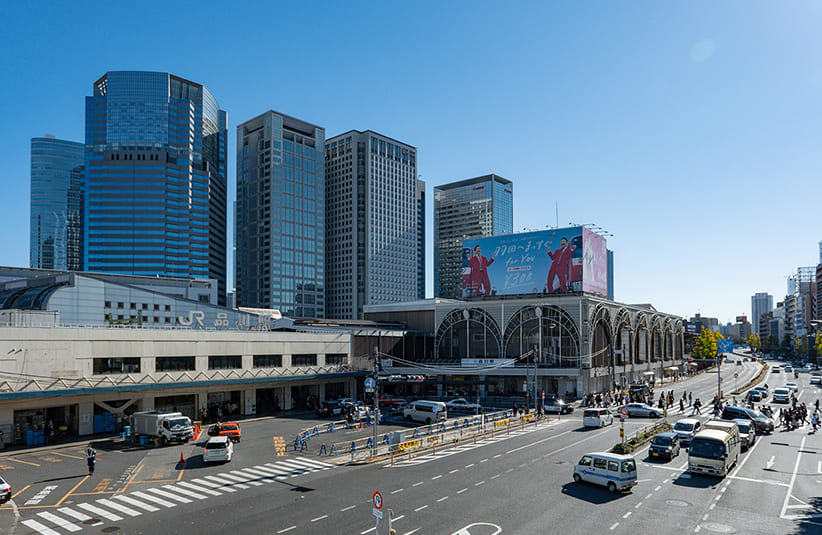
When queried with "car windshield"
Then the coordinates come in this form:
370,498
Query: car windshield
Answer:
706,448
683,426
662,441
179,422
229,428
744,427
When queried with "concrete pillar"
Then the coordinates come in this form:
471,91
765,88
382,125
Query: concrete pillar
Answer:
250,396
287,403
85,412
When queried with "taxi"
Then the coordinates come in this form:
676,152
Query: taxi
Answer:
226,429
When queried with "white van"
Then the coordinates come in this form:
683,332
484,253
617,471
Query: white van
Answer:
426,412
713,452
598,417
617,472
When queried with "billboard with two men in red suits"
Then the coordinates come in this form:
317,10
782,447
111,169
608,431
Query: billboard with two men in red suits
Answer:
572,259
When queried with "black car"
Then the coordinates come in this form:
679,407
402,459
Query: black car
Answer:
664,445
761,423
558,406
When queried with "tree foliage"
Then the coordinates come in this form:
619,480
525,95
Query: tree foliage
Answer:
754,342
705,347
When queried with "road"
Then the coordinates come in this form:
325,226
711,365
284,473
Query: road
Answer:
519,481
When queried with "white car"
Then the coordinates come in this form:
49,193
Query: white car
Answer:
462,405
816,379
218,449
793,386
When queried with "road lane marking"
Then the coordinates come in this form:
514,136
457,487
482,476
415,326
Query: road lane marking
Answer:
100,512
442,499
417,484
135,503
287,529
626,515
649,495
469,465
121,508
368,530
484,461
436,477
454,470
21,461
213,485
185,492
705,517
169,495
398,518
412,531
40,528
79,516
348,508
461,491
199,489
479,483
613,527
637,505
496,476
153,499
711,508
67,455
793,477
396,491
60,522
418,509
319,518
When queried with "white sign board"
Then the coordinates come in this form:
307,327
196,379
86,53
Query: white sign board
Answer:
476,363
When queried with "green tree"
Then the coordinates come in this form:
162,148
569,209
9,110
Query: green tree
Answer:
754,342
705,347
801,345
817,343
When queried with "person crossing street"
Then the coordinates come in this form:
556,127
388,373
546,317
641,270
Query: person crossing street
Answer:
91,458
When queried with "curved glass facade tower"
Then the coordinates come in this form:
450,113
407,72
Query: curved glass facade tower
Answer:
56,231
156,178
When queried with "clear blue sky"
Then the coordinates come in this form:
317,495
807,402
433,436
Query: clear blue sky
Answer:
690,130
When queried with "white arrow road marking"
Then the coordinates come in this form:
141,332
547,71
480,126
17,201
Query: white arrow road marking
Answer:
770,462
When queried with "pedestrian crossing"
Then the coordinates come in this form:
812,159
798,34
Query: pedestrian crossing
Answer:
447,451
151,500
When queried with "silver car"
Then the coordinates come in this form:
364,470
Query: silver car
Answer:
641,409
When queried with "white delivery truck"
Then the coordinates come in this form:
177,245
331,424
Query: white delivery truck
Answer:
167,426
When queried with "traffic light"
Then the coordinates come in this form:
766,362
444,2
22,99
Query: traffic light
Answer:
416,378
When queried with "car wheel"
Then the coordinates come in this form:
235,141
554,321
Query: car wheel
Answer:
428,421
577,479
165,441
407,418
612,486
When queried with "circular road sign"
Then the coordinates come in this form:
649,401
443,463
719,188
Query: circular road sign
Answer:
378,500
370,382
623,411
736,375
721,379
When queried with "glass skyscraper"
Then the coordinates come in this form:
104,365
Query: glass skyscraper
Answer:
474,208
375,223
56,229
280,211
156,188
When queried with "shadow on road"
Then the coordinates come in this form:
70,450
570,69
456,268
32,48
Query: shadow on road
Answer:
687,479
590,493
59,478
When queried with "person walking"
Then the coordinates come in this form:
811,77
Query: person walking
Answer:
91,458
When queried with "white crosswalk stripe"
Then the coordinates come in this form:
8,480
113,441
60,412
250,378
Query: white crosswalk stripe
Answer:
310,466
227,482
294,467
278,469
153,499
120,508
186,492
318,463
270,471
39,528
213,485
243,478
197,488
60,522
268,478
82,517
135,503
169,495
99,512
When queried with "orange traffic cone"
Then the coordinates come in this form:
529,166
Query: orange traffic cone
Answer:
182,459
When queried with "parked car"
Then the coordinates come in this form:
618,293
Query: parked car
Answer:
642,409
559,406
793,386
665,445
226,429
816,379
686,428
388,400
327,409
463,405
5,491
218,449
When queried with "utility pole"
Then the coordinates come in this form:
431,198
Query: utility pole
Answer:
376,398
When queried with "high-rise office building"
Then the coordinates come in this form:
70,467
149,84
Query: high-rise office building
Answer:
474,208
56,230
761,303
156,178
374,223
280,210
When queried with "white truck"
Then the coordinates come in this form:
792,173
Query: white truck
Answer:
167,426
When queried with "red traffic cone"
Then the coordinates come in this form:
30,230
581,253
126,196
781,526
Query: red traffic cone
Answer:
182,459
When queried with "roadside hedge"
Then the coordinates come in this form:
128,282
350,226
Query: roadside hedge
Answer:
640,438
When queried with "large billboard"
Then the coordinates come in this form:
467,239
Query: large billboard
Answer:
561,260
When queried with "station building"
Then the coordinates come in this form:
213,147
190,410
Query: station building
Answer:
561,344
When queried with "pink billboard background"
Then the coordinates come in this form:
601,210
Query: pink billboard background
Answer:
594,263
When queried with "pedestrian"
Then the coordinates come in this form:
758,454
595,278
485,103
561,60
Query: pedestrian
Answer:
681,406
690,398
91,458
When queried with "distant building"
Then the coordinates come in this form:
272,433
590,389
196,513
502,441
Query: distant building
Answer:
761,303
610,275
280,229
156,192
474,208
56,229
375,223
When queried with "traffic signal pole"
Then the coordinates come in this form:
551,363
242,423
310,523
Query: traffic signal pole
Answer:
376,398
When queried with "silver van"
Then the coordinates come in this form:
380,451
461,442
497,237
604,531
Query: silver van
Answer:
617,472
427,412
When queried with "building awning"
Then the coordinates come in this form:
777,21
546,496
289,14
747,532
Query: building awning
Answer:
672,369
648,373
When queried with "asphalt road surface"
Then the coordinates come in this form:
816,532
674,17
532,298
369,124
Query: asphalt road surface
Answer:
518,482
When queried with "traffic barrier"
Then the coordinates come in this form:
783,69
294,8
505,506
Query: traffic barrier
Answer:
333,450
316,431
323,450
369,443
